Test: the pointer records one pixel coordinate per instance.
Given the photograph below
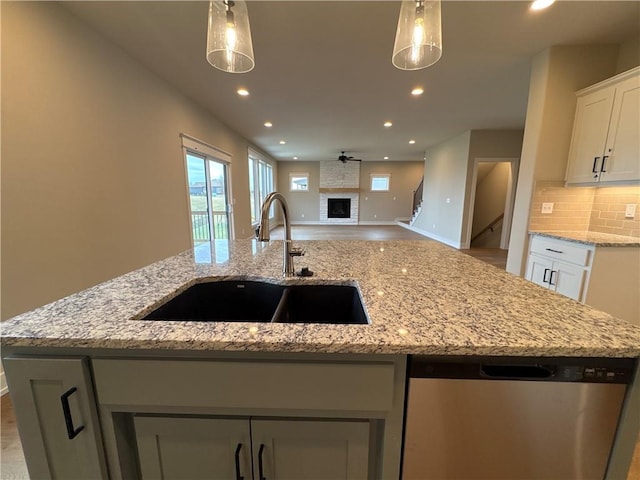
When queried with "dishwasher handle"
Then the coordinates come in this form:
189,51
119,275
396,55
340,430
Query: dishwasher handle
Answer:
515,372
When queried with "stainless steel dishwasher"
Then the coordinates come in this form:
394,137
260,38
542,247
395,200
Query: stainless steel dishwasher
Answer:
501,418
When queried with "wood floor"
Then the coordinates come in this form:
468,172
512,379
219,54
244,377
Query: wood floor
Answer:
494,256
12,464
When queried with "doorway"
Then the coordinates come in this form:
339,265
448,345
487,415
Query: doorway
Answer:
492,196
208,198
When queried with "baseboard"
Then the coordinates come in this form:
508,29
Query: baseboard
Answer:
306,222
432,236
3,384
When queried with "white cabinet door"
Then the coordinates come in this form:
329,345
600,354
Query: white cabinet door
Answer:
539,270
194,448
57,417
591,125
304,450
567,279
622,154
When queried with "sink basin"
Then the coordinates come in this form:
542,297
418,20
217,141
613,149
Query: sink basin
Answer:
256,301
332,304
224,301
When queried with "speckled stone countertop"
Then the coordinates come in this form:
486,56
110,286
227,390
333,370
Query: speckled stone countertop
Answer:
422,298
591,238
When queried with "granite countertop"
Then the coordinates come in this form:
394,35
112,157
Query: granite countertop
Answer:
422,298
590,238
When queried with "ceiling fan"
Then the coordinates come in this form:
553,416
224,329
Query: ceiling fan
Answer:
345,158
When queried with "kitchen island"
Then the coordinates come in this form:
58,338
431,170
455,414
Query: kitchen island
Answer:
422,298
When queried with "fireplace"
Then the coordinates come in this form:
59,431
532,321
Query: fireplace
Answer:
338,208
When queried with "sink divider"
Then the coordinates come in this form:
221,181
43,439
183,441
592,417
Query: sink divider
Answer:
276,318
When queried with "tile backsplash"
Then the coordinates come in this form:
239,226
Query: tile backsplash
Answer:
595,209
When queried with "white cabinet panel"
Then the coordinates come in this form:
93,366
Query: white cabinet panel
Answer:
176,448
605,146
568,280
593,113
559,266
539,270
56,443
623,140
305,450
194,448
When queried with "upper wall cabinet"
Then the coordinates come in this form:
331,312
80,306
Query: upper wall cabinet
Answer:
605,146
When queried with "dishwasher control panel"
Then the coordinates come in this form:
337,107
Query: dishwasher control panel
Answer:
585,370
594,374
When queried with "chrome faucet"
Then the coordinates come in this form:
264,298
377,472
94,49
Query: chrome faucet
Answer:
288,269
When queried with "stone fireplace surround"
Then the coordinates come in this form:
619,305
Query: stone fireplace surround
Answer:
324,210
339,180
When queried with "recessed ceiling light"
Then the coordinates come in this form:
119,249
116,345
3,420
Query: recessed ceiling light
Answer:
243,92
412,142
417,91
268,124
387,124
295,158
541,4
385,158
282,142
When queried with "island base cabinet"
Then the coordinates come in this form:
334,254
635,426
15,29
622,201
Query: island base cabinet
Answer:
194,448
306,450
175,448
57,417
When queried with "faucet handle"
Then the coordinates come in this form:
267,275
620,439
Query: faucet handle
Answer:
297,252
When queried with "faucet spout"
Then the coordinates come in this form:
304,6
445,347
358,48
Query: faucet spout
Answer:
288,269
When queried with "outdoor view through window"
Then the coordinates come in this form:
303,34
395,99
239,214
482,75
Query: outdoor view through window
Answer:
208,199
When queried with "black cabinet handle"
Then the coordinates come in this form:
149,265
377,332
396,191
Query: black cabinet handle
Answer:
237,455
594,170
554,251
604,160
260,465
64,399
551,277
544,275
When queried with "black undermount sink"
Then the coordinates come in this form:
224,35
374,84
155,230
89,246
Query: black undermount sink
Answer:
256,301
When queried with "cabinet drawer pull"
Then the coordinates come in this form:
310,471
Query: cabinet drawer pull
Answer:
68,420
604,159
554,251
551,277
260,465
594,169
237,455
544,275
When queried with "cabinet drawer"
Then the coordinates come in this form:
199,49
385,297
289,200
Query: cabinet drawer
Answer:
561,250
245,384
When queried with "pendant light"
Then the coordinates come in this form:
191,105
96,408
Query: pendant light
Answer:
419,36
229,46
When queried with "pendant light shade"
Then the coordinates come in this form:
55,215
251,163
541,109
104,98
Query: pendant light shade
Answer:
419,36
229,46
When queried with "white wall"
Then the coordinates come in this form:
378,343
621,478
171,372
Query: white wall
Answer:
93,175
556,74
443,197
448,178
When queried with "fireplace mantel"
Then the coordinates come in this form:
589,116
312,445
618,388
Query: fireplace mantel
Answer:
339,190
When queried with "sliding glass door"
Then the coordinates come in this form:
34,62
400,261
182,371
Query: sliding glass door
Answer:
208,198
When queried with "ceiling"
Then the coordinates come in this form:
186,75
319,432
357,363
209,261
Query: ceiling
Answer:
324,77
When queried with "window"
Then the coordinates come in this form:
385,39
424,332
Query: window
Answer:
207,177
380,182
260,185
299,182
